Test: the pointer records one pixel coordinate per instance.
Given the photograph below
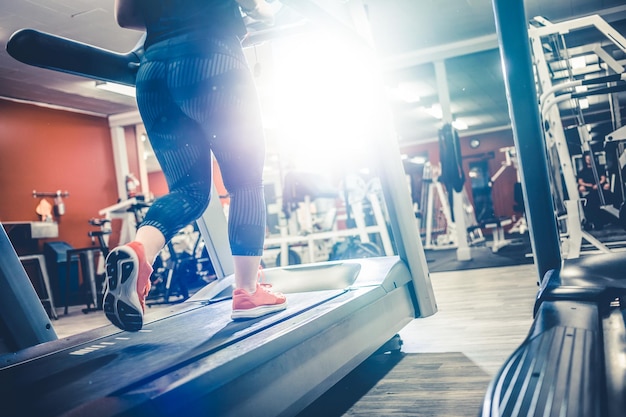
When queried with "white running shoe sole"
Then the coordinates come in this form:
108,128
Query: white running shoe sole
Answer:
121,301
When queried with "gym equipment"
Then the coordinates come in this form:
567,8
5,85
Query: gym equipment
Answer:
59,205
130,212
301,192
452,174
562,87
497,224
618,139
182,263
23,319
437,201
571,363
196,359
42,287
25,238
321,236
440,230
48,51
105,229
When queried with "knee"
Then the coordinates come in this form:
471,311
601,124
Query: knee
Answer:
200,208
195,199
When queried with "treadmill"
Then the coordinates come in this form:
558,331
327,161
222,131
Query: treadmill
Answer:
194,360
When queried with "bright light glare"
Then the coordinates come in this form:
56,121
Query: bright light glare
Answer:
434,111
322,98
407,92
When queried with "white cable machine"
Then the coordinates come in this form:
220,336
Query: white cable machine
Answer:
554,133
437,200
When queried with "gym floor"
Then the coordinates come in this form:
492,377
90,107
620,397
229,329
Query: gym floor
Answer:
446,361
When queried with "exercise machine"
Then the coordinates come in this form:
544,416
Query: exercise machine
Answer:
571,363
315,230
565,90
195,358
440,229
182,265
497,224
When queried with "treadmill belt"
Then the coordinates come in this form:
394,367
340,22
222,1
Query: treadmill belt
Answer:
59,382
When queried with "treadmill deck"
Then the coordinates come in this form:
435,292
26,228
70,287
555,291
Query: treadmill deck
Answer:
200,357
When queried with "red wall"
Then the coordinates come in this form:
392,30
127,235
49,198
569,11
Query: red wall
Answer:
158,185
48,150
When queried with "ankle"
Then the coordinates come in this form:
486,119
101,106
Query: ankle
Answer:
249,290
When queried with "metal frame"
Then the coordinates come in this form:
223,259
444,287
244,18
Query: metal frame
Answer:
553,126
22,314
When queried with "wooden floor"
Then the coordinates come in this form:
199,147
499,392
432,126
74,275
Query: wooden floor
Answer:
446,361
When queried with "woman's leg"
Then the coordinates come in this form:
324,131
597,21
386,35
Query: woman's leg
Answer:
184,155
234,126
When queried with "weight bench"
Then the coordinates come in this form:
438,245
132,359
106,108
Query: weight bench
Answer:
497,225
573,361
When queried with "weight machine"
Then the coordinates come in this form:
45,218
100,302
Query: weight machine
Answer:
440,229
565,88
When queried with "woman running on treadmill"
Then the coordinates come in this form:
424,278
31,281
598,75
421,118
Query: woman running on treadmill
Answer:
196,95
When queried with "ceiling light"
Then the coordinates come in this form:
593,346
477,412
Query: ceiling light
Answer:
459,125
116,88
419,160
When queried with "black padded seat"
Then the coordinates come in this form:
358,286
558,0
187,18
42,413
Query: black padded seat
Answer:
594,278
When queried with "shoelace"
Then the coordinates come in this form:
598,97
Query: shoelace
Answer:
261,278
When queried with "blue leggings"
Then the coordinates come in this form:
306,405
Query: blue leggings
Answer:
197,96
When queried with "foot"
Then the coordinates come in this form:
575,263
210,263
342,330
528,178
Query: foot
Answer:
262,302
127,286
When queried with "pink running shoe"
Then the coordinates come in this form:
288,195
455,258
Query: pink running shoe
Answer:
127,286
262,302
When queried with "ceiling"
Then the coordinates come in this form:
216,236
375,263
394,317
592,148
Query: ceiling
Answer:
409,35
